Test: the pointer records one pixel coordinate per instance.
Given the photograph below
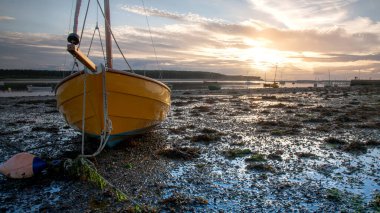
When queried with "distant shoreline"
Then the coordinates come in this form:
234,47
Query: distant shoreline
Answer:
156,74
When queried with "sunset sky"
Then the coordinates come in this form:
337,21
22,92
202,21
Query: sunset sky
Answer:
306,39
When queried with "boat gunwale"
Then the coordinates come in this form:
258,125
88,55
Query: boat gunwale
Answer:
68,78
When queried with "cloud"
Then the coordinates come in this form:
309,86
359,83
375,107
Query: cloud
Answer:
313,40
336,39
343,58
190,17
300,14
359,25
32,50
199,43
6,18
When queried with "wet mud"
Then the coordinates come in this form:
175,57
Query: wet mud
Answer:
287,149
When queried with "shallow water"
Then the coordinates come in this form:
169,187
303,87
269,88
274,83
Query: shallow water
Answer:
229,186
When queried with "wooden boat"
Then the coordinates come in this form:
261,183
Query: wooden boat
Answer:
132,103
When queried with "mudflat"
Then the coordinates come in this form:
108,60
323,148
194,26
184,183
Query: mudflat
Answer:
306,149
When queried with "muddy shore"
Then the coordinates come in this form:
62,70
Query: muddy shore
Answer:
305,149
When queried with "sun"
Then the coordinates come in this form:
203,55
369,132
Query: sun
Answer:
263,58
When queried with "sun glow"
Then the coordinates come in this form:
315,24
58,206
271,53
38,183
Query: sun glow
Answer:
260,57
263,58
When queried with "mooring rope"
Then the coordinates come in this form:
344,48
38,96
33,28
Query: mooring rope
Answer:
107,125
84,111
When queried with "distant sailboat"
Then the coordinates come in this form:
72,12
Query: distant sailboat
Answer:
103,102
274,84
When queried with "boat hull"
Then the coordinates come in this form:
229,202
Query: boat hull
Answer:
135,103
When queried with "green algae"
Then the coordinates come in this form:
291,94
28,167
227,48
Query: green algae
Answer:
85,170
256,158
235,153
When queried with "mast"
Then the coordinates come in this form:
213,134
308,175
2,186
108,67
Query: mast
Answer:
275,73
108,34
329,78
77,10
73,37
265,76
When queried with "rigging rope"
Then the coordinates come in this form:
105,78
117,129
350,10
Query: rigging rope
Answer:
92,39
84,23
68,31
117,44
100,38
71,14
74,64
151,38
101,44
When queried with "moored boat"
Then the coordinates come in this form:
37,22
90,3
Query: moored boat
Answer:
273,85
103,100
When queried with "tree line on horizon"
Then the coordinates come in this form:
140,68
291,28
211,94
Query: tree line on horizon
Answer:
157,74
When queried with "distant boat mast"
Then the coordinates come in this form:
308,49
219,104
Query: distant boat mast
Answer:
275,74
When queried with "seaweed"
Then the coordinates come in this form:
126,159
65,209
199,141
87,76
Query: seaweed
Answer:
202,108
335,141
346,118
355,147
260,167
306,155
279,105
184,153
206,138
234,153
334,194
372,143
375,203
256,158
208,130
276,155
86,170
177,200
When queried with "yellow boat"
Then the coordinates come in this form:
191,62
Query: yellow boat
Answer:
134,103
